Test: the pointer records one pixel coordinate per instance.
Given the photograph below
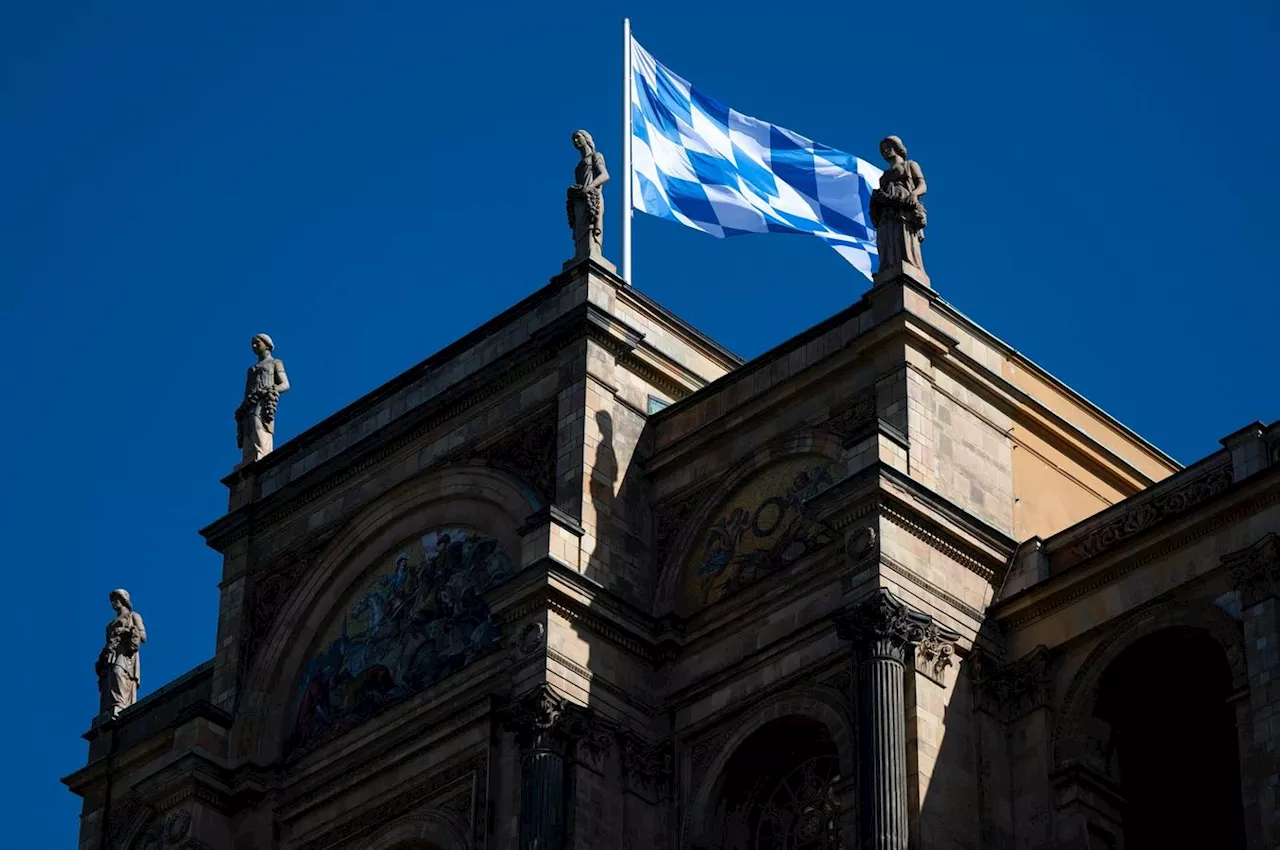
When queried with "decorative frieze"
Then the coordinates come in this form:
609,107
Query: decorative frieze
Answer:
1146,513
1255,571
1012,690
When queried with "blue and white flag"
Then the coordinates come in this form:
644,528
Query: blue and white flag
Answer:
698,162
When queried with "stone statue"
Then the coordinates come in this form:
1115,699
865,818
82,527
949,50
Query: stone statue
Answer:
585,202
256,415
896,211
119,668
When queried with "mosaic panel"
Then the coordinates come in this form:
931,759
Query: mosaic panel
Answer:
763,528
418,618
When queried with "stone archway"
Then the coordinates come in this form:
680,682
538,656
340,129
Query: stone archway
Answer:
1149,735
746,779
779,791
428,830
1173,751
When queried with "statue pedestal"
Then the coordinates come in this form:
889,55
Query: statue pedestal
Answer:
594,256
901,271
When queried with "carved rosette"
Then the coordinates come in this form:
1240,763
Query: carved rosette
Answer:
1255,571
1013,690
882,626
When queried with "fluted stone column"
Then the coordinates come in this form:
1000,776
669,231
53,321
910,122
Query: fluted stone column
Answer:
885,633
538,718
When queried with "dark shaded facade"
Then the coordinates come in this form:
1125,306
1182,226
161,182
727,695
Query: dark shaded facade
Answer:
586,579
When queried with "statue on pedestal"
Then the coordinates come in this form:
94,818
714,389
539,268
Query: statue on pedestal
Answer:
118,667
896,211
256,415
585,201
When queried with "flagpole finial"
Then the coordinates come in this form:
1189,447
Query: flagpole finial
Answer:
898,215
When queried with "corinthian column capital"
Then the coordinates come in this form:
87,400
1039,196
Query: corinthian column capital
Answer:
883,626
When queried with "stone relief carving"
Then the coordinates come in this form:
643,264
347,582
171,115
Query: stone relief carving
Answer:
1148,512
896,211
585,200
671,518
256,415
851,423
647,767
1255,571
119,665
270,589
530,454
1012,690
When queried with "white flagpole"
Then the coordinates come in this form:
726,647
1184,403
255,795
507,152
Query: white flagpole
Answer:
626,149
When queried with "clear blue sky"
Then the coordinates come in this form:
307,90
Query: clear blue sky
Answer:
368,181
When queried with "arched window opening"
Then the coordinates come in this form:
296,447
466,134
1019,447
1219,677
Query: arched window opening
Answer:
1174,745
778,790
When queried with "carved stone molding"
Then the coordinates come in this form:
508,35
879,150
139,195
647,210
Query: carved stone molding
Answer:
1150,511
647,767
884,626
1012,690
1255,571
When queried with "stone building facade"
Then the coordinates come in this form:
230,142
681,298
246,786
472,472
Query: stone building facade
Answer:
586,579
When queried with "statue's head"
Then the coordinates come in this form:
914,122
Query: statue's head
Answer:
891,146
120,599
261,343
582,141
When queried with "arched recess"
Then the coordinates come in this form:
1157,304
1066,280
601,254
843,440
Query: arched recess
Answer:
1073,737
475,497
431,829
821,445
823,707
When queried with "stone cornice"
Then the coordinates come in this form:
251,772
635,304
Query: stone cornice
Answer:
882,490
550,585
1236,503
1127,520
381,445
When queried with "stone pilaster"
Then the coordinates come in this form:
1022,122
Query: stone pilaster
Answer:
887,636
1255,571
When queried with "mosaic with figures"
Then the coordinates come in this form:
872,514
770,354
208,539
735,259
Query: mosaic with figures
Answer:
763,528
420,617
